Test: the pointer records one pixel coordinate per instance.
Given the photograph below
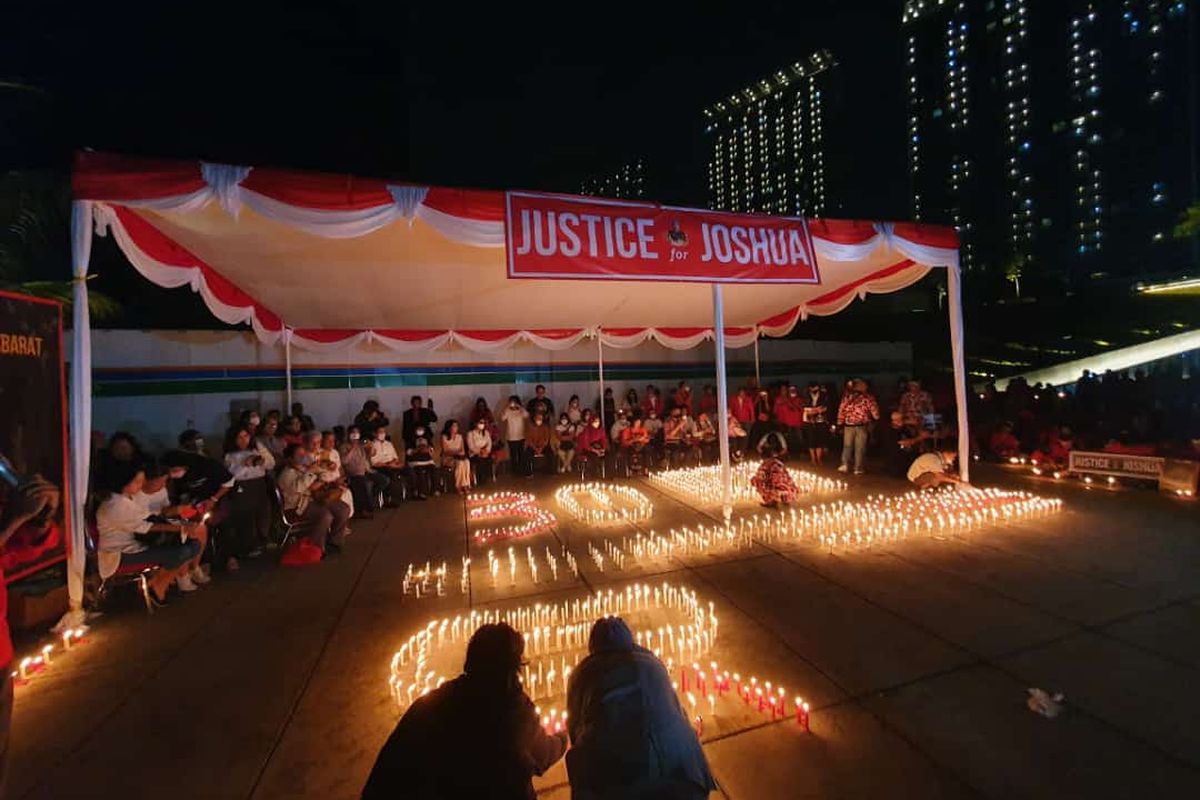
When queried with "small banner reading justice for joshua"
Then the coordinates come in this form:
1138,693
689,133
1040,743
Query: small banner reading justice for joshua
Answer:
556,236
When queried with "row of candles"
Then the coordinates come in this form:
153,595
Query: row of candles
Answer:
556,635
497,505
704,484
631,505
29,666
713,684
532,562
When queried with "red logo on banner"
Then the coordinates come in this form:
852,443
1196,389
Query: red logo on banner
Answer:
555,236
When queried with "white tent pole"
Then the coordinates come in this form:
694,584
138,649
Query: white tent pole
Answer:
757,376
80,428
287,367
954,289
600,367
723,400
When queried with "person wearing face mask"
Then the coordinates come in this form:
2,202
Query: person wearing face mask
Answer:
789,414
479,450
317,504
514,417
591,446
675,431
816,423
366,484
654,426
249,464
269,439
574,410
741,406
385,459
565,431
538,449
454,456
419,459
251,420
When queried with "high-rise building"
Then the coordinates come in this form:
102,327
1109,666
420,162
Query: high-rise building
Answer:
1059,137
626,182
767,143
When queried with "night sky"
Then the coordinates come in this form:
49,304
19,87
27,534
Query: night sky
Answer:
447,93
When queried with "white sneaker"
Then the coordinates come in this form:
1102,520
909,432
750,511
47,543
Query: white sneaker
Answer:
199,576
185,584
843,468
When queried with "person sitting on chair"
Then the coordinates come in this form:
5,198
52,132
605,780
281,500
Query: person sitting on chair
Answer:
385,459
538,438
121,522
454,456
565,432
675,431
773,482
156,499
421,463
619,426
317,504
367,484
634,441
737,437
479,450
329,465
592,444
704,436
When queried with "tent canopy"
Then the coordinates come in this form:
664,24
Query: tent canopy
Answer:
339,260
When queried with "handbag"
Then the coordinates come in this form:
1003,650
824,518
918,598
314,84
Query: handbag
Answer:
300,553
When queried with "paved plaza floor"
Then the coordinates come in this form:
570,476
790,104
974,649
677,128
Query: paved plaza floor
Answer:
916,657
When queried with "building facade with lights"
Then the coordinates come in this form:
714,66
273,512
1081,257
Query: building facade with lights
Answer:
626,182
1059,137
766,143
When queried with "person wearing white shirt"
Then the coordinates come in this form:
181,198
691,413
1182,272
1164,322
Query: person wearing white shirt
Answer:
479,450
454,456
931,470
513,417
249,462
121,519
356,464
385,459
321,513
328,463
156,501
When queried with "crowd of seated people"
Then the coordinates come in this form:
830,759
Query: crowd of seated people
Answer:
275,471
1150,411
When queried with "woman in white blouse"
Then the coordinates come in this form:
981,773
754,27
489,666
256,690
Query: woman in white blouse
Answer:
250,523
121,519
454,456
479,450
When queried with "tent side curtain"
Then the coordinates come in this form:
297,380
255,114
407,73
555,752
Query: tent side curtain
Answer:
197,224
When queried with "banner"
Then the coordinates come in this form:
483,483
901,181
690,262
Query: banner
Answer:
33,432
557,236
1118,464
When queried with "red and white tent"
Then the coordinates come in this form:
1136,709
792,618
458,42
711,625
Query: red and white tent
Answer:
321,261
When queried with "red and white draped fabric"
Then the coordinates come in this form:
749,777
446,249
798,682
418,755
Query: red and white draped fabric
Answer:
343,260
329,262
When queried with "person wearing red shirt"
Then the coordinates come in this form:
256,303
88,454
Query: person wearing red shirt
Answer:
591,445
683,397
741,406
789,413
652,402
29,502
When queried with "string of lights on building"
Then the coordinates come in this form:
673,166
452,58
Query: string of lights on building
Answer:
768,143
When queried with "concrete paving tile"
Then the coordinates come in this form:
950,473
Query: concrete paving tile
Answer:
849,754
1054,590
1129,688
858,645
980,621
1173,631
975,723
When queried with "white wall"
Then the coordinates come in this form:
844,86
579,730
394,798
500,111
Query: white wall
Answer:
169,380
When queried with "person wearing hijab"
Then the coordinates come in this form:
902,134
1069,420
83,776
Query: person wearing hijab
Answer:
630,738
476,736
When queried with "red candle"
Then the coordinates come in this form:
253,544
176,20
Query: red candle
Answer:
683,679
699,726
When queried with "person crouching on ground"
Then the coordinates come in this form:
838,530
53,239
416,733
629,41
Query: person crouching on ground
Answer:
477,735
630,738
933,469
773,482
318,505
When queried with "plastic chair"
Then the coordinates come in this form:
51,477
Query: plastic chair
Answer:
125,575
290,521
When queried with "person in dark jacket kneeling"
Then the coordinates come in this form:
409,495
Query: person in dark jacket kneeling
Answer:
475,736
630,738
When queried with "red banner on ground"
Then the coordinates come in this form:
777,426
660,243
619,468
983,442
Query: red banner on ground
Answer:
553,236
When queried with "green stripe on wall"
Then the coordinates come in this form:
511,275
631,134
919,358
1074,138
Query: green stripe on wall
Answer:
547,375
